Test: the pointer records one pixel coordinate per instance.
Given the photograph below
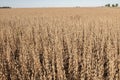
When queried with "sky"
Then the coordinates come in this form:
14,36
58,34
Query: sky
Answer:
56,3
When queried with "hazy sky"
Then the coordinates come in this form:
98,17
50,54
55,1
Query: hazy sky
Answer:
55,3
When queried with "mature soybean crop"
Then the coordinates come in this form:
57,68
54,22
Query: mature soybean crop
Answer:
60,44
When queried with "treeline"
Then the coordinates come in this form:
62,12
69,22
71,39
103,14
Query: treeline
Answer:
5,7
112,5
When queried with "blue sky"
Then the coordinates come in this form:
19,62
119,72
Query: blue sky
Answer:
55,3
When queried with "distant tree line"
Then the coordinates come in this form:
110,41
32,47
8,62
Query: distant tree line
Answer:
5,7
111,5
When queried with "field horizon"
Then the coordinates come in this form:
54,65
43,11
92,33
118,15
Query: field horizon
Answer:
62,10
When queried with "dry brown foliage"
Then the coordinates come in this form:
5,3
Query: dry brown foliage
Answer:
60,44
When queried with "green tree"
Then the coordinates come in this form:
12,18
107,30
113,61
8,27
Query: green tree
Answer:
113,5
107,5
116,5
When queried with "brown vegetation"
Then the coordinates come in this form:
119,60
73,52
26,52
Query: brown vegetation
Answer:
60,44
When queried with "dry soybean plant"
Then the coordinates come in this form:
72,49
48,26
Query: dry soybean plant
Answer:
60,47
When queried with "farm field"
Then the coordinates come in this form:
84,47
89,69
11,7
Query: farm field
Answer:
60,44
